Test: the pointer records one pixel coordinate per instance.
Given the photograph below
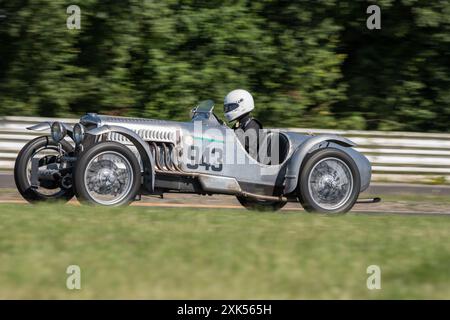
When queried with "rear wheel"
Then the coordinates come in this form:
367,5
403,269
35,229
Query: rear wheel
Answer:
107,174
260,205
329,182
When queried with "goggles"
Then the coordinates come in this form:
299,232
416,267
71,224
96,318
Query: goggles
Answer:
230,107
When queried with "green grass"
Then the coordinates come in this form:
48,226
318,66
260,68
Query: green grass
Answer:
159,253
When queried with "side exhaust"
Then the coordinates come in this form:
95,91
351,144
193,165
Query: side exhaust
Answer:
370,200
262,197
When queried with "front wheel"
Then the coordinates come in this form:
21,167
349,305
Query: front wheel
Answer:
107,174
329,182
47,153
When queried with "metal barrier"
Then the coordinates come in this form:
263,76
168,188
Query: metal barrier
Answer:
395,156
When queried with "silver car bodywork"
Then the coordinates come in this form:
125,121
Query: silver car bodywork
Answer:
204,156
172,155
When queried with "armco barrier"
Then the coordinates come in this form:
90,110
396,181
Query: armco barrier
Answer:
395,156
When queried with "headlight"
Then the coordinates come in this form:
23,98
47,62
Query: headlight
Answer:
78,133
58,131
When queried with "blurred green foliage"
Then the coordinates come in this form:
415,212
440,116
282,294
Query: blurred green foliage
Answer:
307,63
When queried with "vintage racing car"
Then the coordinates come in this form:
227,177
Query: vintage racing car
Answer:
112,161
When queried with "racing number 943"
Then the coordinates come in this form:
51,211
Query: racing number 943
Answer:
211,159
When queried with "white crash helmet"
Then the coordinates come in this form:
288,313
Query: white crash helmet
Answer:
237,103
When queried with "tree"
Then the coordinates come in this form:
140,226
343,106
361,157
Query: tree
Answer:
310,64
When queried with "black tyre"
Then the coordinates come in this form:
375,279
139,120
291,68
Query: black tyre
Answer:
329,182
107,174
260,205
40,148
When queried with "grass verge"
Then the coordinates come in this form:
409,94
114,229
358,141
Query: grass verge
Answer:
168,253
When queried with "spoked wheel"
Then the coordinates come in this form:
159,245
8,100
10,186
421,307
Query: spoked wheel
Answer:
329,182
46,152
260,205
107,174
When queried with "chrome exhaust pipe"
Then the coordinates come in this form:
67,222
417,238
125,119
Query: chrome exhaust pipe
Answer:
370,200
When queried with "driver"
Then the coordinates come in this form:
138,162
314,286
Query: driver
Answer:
237,107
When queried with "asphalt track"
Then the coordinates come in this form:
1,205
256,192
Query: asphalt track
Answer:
221,206
229,202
